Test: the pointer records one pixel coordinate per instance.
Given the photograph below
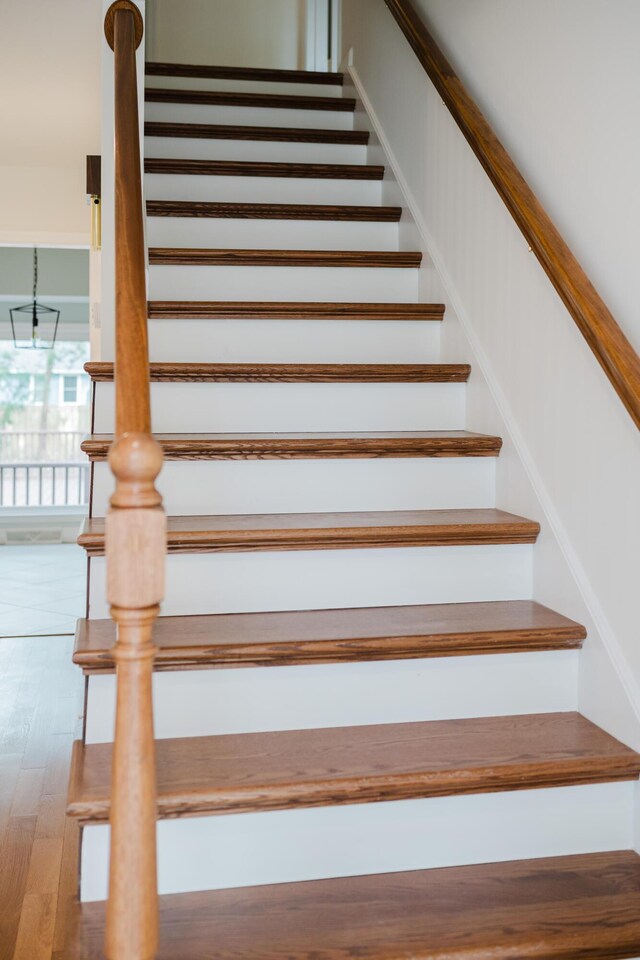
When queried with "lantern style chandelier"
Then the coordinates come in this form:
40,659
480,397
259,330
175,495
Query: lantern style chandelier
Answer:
34,326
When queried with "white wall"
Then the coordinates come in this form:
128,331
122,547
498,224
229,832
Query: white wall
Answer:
49,117
237,33
102,270
572,454
560,83
44,204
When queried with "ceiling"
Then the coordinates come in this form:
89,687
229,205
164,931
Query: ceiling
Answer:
61,273
63,283
50,81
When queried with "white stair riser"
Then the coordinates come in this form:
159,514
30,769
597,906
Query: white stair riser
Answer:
264,151
166,186
347,284
314,486
293,341
314,579
203,853
199,703
282,407
245,86
271,235
248,116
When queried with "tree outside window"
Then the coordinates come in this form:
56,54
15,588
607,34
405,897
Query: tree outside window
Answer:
44,402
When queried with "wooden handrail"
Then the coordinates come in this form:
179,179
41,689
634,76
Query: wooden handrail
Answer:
135,535
610,346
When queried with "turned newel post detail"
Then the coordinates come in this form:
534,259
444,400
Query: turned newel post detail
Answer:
135,548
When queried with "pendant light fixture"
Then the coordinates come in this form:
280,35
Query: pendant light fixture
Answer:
34,326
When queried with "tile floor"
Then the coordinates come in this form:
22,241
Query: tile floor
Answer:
42,589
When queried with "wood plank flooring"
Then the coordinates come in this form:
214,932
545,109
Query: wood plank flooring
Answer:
40,707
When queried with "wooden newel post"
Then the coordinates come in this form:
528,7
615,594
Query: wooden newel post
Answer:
136,535
135,549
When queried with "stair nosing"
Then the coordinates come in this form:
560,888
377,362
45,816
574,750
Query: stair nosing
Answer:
223,131
358,213
156,68
389,776
551,908
292,310
240,257
268,641
310,446
267,101
254,168
376,790
103,371
370,529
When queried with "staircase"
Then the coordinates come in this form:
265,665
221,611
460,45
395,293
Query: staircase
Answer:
368,742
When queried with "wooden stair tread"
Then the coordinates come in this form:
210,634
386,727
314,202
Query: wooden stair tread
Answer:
170,256
327,531
230,131
269,446
340,636
295,372
252,168
154,68
274,101
272,211
557,908
240,773
292,310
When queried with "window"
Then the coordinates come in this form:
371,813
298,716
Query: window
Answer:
37,389
69,389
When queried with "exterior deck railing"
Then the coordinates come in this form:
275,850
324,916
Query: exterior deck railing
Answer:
61,484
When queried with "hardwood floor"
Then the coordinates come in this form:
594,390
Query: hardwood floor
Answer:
40,708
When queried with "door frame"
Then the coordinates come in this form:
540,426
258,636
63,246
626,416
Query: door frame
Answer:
322,26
